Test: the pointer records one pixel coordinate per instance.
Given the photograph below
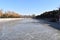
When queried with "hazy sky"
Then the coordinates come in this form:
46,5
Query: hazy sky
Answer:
29,6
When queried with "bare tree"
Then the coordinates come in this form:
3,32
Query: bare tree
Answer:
1,13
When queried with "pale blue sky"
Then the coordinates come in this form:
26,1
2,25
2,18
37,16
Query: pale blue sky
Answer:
29,6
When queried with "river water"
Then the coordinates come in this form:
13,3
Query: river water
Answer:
28,29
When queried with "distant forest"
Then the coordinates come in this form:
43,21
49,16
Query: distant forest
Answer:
51,15
9,14
12,14
54,14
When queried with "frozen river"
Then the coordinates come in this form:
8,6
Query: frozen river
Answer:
28,29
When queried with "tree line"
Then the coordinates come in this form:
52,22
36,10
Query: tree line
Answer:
9,14
52,15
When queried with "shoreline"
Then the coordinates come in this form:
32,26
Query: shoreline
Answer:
9,19
55,25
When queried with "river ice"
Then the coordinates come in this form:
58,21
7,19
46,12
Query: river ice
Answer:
28,29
